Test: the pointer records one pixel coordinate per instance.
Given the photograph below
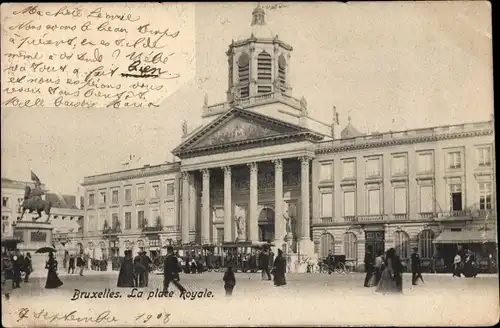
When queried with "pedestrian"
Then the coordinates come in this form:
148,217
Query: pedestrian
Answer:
229,280
7,274
264,265
80,263
28,267
16,269
330,260
171,271
146,263
126,278
469,268
368,266
457,266
379,266
279,269
71,264
391,278
53,280
139,269
416,267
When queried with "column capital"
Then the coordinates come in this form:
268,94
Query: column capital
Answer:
304,160
278,164
206,173
252,166
185,174
226,169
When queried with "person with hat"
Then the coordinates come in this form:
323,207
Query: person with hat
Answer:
171,271
139,270
416,267
126,278
146,264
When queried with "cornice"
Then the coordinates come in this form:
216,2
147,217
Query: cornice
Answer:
402,141
130,174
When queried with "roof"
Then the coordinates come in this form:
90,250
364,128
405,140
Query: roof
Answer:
350,132
62,201
466,236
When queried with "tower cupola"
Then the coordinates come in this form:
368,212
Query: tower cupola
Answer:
258,64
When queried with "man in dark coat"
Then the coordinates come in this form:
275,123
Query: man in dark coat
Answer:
139,271
146,263
330,261
126,278
264,264
368,266
171,271
28,268
279,269
71,266
415,267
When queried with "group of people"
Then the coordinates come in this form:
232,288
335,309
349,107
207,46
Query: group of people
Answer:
13,265
465,263
134,272
74,260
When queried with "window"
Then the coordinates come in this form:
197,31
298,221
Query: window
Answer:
169,189
244,75
114,220
374,202
425,247
220,235
484,156
128,195
282,72
92,222
141,220
102,219
5,201
169,214
326,172
350,246
454,160
399,165
349,203
140,192
485,195
91,199
327,244
349,169
400,200
326,205
401,244
102,199
456,197
5,224
264,67
155,214
128,220
426,199
114,196
155,190
373,167
425,163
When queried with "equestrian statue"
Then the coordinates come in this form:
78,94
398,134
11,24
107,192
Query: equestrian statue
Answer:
33,201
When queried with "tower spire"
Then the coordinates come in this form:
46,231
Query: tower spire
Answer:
258,16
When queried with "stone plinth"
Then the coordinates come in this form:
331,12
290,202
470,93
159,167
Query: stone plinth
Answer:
35,234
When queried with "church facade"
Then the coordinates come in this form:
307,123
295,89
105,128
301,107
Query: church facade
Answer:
260,168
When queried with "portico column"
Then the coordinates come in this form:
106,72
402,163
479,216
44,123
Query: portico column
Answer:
279,224
304,199
253,224
185,207
205,218
227,205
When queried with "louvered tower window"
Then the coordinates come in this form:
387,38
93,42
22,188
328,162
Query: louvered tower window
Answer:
264,72
244,75
282,73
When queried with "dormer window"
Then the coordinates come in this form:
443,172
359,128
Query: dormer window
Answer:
244,75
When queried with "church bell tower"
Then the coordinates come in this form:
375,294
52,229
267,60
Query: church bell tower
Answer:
259,64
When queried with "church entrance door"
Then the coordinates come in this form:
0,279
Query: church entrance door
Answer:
266,224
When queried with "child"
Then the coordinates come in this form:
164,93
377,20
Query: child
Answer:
229,280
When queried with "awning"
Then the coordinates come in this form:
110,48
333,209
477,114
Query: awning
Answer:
466,236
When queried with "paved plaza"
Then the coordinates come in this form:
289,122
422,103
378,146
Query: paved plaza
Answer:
306,299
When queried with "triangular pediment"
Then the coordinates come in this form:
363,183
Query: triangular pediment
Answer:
238,125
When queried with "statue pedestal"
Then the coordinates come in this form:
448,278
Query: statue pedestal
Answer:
34,235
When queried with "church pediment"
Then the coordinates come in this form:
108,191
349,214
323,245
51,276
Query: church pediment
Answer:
238,125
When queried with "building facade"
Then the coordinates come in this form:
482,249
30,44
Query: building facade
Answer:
131,209
260,168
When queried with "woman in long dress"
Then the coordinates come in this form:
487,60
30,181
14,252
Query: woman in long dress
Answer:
126,278
53,280
391,278
279,269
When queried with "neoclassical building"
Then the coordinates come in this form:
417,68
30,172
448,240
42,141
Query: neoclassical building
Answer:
260,168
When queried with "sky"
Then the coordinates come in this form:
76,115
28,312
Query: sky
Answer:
389,66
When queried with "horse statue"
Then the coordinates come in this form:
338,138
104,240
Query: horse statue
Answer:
33,202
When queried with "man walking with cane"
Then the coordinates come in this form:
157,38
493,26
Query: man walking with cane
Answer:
415,267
